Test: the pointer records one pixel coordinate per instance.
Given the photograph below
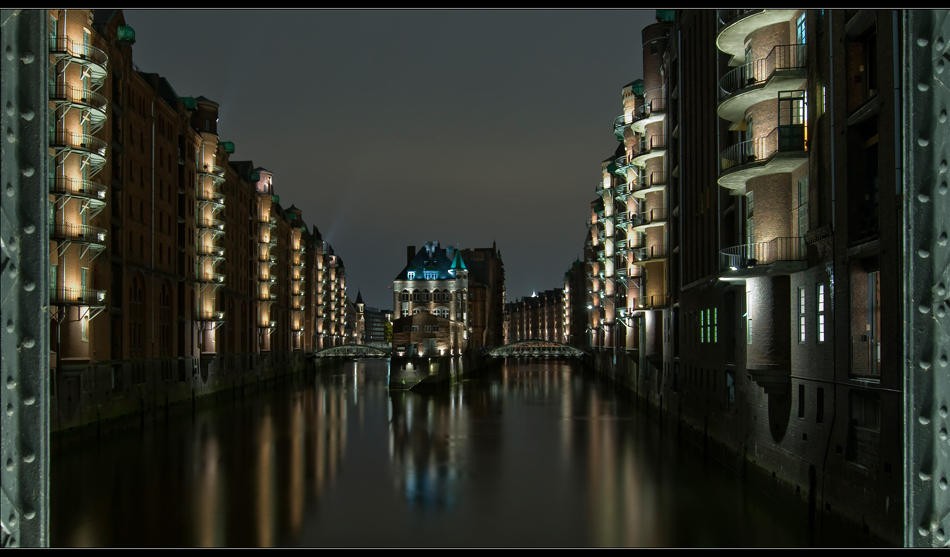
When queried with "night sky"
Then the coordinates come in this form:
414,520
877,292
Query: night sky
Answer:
393,128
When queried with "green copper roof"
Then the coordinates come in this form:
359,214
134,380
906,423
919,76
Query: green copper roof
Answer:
189,102
457,263
666,15
125,35
228,146
637,87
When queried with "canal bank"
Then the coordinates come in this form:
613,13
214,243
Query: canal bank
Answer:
733,424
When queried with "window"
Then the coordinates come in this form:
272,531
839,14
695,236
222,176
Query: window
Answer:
748,316
801,402
411,275
415,296
425,295
702,326
821,313
715,325
404,296
431,275
435,328
405,329
428,328
803,206
415,328
791,121
731,389
820,406
749,223
801,314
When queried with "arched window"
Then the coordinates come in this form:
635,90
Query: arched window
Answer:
415,296
425,295
404,297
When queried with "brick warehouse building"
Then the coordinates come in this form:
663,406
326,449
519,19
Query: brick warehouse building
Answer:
735,272
150,301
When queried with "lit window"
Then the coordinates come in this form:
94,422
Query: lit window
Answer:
821,313
411,275
715,325
801,314
748,316
702,326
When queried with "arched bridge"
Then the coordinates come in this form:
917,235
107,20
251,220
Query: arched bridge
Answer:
536,348
352,351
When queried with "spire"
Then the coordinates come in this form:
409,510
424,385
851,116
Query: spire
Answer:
359,297
457,263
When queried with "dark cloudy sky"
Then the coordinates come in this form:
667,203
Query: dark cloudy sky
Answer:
390,128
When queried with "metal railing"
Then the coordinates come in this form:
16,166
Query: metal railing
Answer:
781,57
75,95
211,277
648,217
650,302
655,106
212,197
784,138
76,296
78,233
77,50
216,251
655,251
762,253
215,315
621,122
80,141
728,16
210,224
82,188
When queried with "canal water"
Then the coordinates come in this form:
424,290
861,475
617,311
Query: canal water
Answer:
535,455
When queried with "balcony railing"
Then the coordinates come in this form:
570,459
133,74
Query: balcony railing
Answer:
216,251
215,278
622,122
75,95
649,217
78,188
213,315
79,142
65,45
651,302
784,138
78,233
781,57
728,16
77,296
211,197
762,253
655,106
210,224
655,251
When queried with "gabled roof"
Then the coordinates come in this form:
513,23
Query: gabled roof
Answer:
438,261
359,297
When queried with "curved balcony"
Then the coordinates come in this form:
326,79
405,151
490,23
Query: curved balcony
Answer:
88,56
648,219
654,147
212,198
783,150
735,25
214,253
621,123
77,297
214,225
648,113
86,144
210,278
214,316
80,233
650,254
269,257
268,325
778,256
656,182
85,99
87,190
268,296
601,189
651,302
761,80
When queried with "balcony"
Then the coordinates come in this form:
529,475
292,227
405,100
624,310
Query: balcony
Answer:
601,189
653,111
77,297
654,147
83,189
647,219
736,25
215,173
93,103
655,182
213,198
83,143
651,302
650,254
761,80
621,123
213,316
779,256
215,253
90,57
80,233
783,150
865,357
268,296
210,278
213,225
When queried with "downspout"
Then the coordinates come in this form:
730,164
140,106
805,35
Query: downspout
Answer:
834,305
152,224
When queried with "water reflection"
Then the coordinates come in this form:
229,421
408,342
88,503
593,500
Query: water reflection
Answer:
535,455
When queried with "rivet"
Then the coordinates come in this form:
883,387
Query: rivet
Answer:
922,531
923,309
9,53
29,515
922,41
941,310
30,400
29,457
28,342
27,114
10,465
943,187
923,86
923,141
940,66
942,116
10,110
923,475
923,197
941,289
12,271
943,409
9,409
940,535
924,364
942,239
11,241
10,382
943,434
27,171
943,165
9,190
924,254
923,419
939,43
27,58
943,483
11,138
29,229
10,326
12,520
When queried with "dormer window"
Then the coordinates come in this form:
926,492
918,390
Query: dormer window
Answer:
431,275
411,275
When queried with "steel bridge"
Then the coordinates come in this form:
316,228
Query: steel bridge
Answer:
536,348
352,351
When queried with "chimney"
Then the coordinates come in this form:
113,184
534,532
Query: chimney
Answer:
410,253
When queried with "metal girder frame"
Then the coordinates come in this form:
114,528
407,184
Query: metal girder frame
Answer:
926,273
24,272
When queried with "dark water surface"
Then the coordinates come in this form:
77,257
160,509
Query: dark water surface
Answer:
537,455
